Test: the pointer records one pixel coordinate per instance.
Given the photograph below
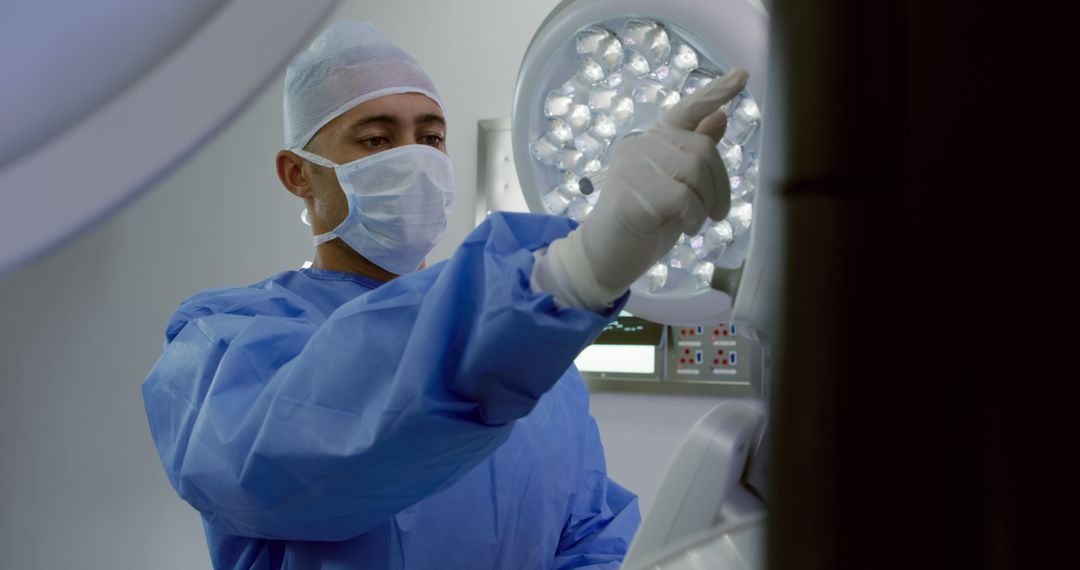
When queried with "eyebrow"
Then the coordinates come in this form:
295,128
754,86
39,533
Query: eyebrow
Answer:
422,118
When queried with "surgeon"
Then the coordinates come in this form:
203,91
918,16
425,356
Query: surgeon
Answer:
367,412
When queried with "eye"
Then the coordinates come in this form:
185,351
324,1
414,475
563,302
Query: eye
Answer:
375,142
432,140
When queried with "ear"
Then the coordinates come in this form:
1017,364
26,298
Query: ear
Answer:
294,177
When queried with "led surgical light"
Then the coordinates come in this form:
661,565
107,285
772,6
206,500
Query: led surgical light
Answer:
592,78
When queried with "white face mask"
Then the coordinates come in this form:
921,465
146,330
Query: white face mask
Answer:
399,201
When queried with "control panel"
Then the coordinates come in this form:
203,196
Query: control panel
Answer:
633,354
706,354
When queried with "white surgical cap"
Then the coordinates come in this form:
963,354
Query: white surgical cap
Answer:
348,64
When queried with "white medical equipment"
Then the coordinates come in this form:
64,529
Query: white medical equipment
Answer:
109,100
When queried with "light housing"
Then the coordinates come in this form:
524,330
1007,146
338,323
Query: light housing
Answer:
141,117
599,71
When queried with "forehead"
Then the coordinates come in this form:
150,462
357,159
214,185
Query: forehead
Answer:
404,106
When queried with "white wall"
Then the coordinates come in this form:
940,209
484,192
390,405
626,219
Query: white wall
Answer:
80,482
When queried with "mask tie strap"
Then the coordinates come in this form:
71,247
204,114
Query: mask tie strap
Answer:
316,159
313,158
323,238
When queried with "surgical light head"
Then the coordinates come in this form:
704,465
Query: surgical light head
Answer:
348,64
628,73
597,73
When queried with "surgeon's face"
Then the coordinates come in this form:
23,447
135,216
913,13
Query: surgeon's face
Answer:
369,128
381,124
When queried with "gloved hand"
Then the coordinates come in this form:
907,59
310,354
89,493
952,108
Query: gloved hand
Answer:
660,184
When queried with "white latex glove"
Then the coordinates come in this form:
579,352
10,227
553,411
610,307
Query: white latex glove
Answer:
660,184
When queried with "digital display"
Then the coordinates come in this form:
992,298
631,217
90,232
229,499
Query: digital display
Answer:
633,359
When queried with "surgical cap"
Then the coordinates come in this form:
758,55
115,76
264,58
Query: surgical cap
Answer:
348,64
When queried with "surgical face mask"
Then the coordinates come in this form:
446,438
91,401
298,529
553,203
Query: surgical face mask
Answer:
399,201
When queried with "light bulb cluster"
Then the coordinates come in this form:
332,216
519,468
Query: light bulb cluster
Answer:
622,83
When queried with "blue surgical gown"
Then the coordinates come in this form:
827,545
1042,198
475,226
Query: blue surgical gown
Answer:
325,420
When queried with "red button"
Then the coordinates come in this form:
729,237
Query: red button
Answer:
725,362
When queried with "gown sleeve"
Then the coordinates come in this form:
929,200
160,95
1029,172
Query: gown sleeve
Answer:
603,515
277,422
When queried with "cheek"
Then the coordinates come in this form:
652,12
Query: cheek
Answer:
331,206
